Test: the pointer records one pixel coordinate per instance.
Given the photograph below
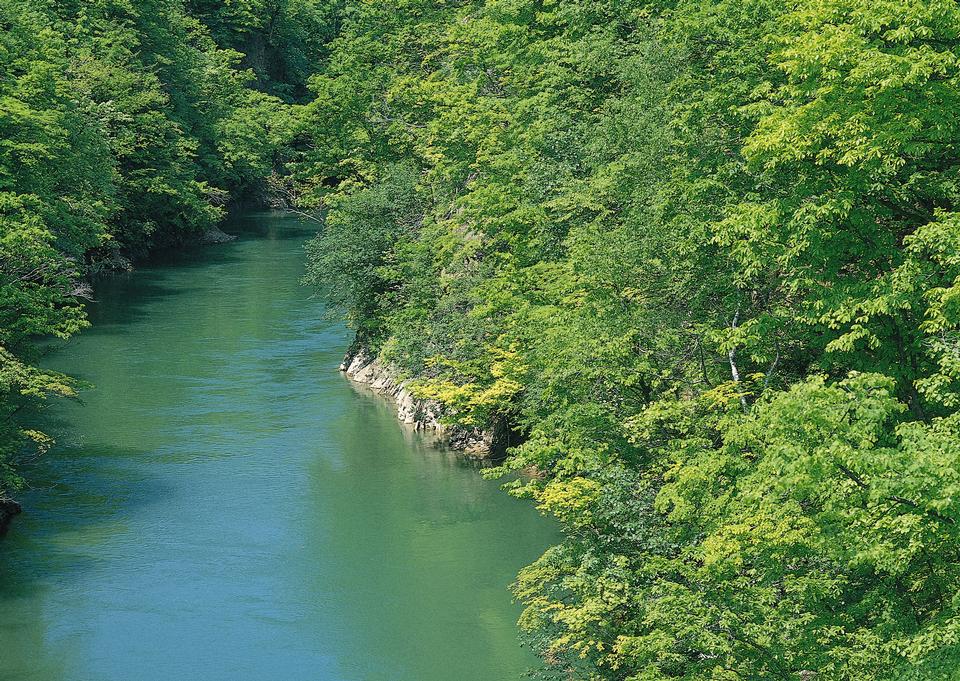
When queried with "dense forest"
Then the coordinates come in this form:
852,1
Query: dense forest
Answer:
702,256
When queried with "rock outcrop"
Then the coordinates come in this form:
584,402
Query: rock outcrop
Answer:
215,235
362,367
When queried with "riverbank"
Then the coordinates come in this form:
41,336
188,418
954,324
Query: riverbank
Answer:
363,367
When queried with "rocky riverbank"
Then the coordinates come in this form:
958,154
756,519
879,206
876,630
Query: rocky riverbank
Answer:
363,367
214,236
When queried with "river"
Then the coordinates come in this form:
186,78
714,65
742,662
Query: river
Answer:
224,505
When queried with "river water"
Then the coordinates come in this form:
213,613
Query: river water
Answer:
224,505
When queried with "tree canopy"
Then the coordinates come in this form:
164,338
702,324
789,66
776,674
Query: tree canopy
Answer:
703,255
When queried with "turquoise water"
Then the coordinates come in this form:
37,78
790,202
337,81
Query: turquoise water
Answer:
224,505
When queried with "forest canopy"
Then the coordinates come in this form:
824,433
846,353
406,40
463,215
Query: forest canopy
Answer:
703,256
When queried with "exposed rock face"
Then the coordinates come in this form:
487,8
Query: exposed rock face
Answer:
8,509
215,235
362,367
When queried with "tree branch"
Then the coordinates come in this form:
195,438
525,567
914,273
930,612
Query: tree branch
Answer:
732,356
895,498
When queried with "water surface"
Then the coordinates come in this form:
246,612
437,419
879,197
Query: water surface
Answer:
224,505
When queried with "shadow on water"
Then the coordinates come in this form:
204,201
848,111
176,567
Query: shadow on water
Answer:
101,485
122,298
271,224
109,315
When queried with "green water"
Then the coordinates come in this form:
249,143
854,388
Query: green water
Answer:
224,505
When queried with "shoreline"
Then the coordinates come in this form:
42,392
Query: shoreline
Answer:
485,445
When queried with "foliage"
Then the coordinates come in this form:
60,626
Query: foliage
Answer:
703,255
